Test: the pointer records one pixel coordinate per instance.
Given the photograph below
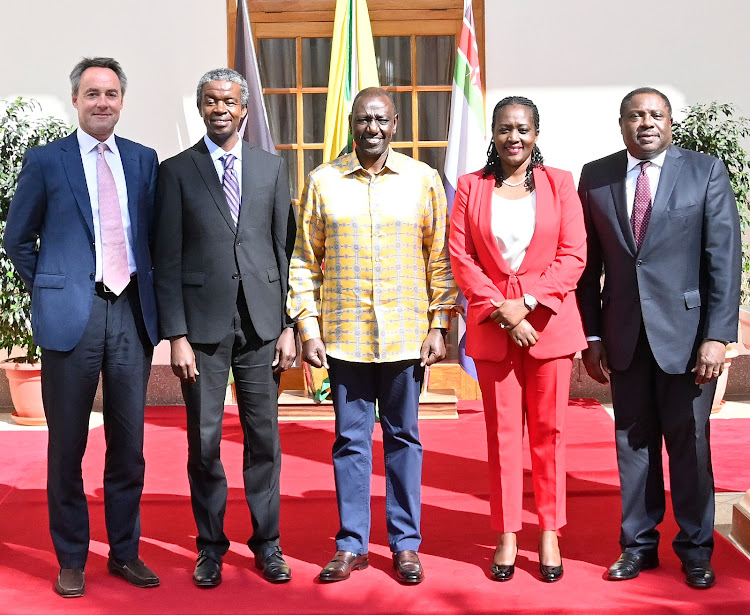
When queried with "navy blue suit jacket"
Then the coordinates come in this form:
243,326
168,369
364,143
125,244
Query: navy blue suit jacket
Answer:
683,284
52,204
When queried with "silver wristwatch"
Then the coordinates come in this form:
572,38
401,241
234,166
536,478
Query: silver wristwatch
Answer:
529,302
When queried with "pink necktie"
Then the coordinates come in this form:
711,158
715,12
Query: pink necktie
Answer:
115,270
641,205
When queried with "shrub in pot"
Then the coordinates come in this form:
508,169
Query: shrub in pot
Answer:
21,127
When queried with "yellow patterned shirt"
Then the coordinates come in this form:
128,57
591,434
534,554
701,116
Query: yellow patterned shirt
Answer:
386,279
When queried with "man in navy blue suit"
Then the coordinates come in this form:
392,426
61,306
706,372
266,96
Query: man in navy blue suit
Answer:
78,234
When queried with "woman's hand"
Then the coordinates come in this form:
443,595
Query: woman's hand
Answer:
509,313
523,334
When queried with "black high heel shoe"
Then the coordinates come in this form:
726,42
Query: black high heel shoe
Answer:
503,572
550,574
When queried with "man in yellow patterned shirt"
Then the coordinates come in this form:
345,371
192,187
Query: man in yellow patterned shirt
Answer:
374,315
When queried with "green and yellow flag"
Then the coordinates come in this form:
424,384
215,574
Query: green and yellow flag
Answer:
353,68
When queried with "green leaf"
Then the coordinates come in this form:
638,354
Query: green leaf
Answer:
714,129
20,128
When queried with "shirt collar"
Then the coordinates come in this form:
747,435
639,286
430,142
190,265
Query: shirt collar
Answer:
393,162
217,152
634,162
87,143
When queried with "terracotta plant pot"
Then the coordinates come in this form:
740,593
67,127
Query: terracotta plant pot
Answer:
745,325
721,383
25,383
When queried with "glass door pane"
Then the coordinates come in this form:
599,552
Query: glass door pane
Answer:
393,55
277,62
316,60
435,58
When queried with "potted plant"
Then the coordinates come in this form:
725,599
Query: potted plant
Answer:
715,129
21,127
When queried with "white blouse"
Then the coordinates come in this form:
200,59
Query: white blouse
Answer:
513,223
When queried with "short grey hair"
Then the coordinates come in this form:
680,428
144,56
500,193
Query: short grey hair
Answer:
222,74
85,63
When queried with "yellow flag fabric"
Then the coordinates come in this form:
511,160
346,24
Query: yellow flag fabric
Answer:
353,68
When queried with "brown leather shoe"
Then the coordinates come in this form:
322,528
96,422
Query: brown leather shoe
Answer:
134,572
342,564
71,583
408,567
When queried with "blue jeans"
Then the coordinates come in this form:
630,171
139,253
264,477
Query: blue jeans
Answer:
355,387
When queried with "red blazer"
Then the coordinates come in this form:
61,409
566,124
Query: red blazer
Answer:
549,272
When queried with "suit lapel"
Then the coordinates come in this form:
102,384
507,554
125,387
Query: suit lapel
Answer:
620,200
73,165
482,206
544,200
129,159
247,182
207,171
667,179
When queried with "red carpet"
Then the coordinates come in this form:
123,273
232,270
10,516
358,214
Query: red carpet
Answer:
456,551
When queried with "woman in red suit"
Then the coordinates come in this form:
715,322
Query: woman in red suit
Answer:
518,247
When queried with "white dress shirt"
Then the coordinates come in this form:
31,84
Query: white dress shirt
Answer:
217,153
87,145
513,224
653,172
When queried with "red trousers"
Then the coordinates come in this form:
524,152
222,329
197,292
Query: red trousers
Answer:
516,391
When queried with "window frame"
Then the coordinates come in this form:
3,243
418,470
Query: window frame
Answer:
314,19
299,19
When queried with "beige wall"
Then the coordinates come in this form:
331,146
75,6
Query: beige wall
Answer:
576,59
164,47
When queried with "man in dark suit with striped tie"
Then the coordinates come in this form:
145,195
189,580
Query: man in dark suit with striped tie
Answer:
662,225
224,234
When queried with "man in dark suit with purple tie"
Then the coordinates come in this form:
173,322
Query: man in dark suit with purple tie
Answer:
87,199
663,227
224,234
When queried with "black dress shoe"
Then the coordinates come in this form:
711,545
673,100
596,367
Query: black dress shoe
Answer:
134,572
629,565
698,573
408,567
342,565
207,569
71,583
550,574
275,569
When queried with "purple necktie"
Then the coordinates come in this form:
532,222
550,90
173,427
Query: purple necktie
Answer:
231,187
115,270
641,205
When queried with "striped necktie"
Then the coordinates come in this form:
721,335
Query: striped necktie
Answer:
231,187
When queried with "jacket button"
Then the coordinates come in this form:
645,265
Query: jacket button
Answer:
92,277
639,263
235,276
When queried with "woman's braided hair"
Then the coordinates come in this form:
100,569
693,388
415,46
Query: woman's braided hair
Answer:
493,166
